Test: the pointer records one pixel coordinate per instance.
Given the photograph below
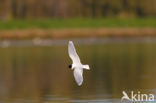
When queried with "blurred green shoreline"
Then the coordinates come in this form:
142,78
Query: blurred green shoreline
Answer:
77,28
77,23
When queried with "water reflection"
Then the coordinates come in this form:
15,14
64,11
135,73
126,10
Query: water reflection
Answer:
40,74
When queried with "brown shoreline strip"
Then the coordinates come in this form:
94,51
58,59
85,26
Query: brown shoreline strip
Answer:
73,33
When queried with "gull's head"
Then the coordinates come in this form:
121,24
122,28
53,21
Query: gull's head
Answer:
70,66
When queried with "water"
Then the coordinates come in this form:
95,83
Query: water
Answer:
40,74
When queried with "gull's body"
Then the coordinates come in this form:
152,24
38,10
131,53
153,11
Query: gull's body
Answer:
76,65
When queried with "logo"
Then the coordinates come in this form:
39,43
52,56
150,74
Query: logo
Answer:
134,97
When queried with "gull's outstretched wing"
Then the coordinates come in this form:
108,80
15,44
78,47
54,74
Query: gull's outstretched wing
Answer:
72,53
78,76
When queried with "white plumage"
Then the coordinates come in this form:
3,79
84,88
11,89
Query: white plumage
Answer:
76,65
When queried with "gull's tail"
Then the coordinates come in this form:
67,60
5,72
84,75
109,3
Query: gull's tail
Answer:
86,67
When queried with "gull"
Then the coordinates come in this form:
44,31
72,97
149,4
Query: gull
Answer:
77,66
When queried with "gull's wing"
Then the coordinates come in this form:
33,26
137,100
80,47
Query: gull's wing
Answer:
78,76
72,53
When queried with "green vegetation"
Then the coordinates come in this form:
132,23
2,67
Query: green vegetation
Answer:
77,23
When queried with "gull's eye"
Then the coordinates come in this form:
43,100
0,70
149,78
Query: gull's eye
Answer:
70,66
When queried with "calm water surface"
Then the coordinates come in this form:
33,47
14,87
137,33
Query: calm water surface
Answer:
40,74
